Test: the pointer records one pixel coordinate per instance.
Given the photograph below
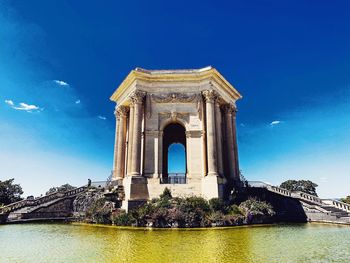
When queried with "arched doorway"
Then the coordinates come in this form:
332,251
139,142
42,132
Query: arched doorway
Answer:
174,154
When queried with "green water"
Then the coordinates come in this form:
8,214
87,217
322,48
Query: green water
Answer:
76,243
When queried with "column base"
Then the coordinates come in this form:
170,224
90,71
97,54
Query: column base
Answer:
136,191
213,187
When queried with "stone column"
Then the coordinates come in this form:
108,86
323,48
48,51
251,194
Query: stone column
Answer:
121,114
137,98
235,148
160,154
209,96
229,109
115,143
130,134
218,119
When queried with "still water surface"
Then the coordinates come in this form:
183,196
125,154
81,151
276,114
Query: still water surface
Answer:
84,243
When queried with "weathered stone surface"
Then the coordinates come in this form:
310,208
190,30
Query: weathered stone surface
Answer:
192,99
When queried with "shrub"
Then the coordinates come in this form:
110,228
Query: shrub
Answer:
256,211
123,219
234,210
166,194
217,204
99,212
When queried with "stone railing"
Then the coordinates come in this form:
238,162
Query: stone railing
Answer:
307,197
271,188
17,205
338,204
41,200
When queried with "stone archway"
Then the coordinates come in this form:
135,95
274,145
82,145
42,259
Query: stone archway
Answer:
173,133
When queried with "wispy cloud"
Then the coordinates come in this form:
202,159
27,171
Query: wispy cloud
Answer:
23,106
9,102
77,102
274,123
61,82
101,117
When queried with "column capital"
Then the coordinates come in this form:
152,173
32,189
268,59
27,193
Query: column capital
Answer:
137,97
121,111
230,108
209,95
219,100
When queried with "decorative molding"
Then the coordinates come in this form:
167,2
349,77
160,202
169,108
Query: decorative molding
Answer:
173,116
194,134
174,97
152,133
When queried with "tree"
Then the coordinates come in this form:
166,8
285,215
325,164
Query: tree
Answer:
346,199
62,188
10,192
305,186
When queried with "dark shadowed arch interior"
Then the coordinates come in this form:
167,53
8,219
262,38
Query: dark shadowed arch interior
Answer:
173,133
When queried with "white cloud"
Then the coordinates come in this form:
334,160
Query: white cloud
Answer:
23,106
273,123
101,117
9,102
77,101
61,82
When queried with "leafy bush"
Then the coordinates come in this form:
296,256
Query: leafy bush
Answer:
123,219
305,186
99,212
346,200
217,204
234,210
193,211
10,192
166,194
256,211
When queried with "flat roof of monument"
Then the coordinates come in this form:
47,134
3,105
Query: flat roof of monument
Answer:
173,71
174,75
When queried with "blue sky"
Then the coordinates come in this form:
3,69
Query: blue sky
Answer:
61,60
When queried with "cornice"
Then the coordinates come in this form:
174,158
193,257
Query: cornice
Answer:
210,74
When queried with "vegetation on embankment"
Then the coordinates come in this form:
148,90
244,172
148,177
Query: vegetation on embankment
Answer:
167,211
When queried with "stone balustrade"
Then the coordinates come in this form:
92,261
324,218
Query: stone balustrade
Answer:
41,200
307,197
338,204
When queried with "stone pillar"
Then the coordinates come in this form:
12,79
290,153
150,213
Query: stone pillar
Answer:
137,98
209,96
235,147
130,134
229,109
218,119
115,143
121,114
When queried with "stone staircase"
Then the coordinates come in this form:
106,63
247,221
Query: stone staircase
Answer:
32,208
316,209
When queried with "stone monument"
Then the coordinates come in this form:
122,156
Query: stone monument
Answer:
155,108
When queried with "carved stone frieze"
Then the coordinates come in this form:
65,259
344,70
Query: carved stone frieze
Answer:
173,97
174,116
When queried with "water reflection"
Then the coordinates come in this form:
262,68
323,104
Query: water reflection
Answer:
68,243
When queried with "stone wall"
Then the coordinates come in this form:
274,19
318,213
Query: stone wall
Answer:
287,209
